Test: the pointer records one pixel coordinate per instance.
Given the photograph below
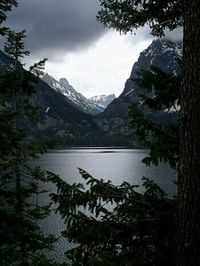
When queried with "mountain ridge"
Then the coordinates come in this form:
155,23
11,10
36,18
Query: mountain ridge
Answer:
57,118
61,119
75,98
102,100
92,105
162,53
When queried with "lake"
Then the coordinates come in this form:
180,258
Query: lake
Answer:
117,165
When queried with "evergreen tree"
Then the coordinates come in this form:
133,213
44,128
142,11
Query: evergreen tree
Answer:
21,239
189,173
119,225
116,225
158,133
5,6
128,15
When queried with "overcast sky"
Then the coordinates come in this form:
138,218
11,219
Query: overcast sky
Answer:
95,60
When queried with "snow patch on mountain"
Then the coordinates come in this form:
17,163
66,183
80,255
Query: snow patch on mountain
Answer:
129,92
175,108
76,98
102,100
92,105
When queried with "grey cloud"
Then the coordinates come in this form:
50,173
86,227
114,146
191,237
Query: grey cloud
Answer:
57,25
141,34
144,33
175,35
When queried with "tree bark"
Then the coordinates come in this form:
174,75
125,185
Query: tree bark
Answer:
189,174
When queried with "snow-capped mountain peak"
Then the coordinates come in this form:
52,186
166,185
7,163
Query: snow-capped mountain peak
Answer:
163,53
102,100
81,102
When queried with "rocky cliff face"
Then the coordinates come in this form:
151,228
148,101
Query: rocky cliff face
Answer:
161,53
75,98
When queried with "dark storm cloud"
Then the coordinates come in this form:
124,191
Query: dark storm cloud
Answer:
57,25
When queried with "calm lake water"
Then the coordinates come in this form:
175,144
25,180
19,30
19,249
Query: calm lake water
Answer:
117,165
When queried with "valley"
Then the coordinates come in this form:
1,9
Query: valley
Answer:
71,119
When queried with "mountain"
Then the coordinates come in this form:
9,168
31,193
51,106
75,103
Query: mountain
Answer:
57,117
60,106
162,53
102,100
75,98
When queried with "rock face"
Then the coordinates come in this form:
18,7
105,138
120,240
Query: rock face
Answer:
102,100
161,53
75,98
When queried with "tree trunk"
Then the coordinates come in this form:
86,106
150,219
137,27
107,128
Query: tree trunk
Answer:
189,174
